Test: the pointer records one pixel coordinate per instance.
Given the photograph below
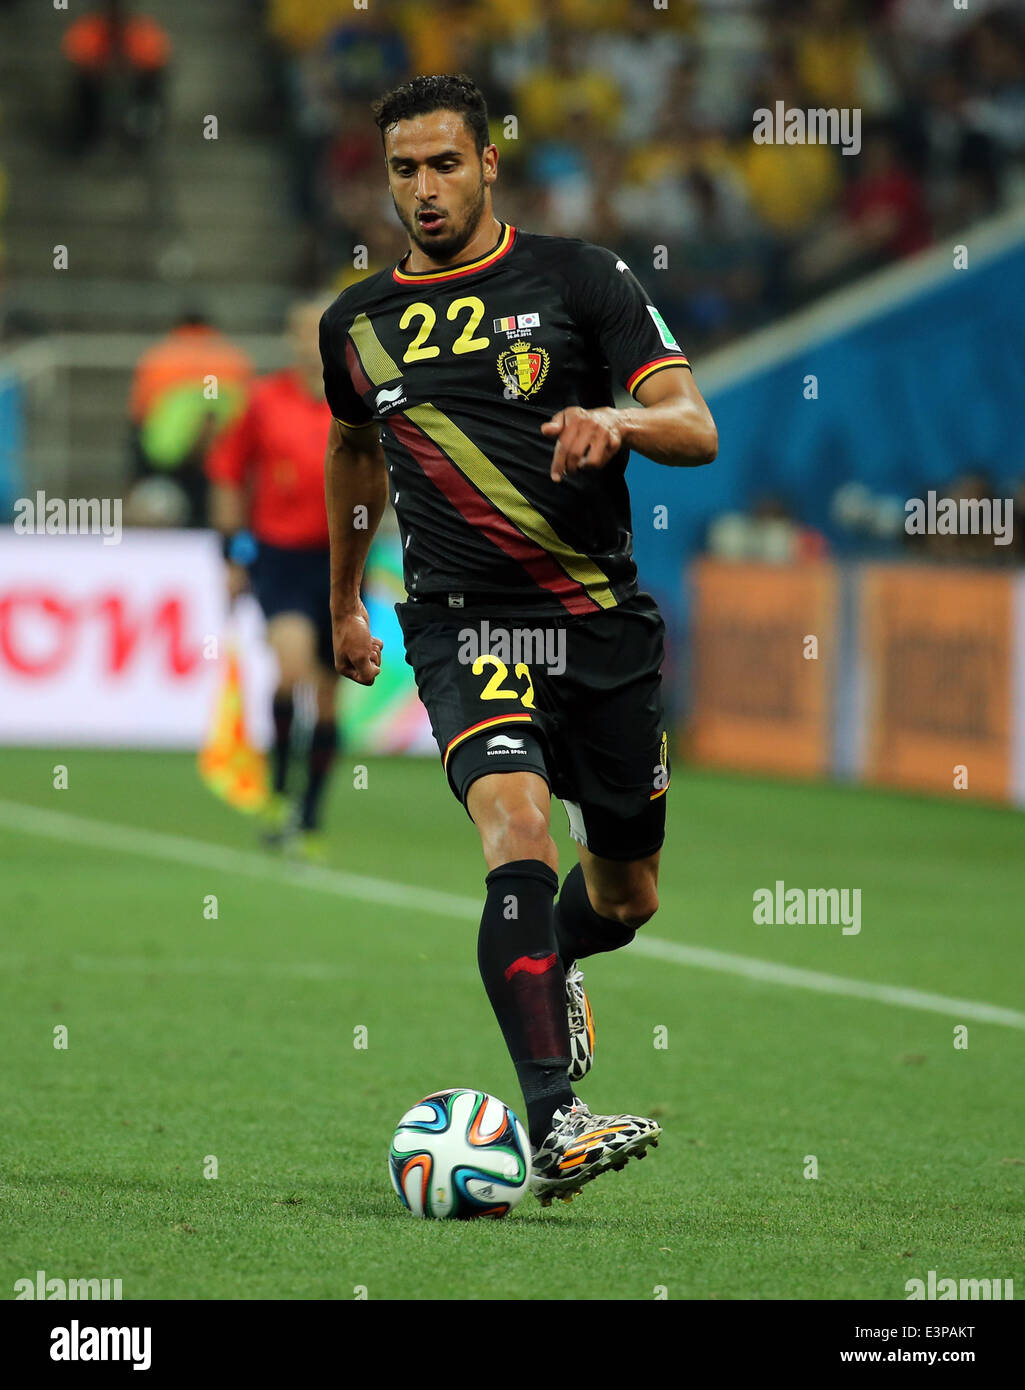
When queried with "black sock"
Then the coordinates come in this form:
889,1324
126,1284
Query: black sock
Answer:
323,746
519,964
579,930
283,710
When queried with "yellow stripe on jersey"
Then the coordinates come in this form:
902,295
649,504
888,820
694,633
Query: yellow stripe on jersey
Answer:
377,364
508,499
642,373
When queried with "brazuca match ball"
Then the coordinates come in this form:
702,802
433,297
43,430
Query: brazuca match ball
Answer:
459,1154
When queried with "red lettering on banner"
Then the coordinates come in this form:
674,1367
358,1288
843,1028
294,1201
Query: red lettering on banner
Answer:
126,634
32,606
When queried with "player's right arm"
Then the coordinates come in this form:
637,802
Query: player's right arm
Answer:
356,491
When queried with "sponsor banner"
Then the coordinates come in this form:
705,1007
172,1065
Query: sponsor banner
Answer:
119,646
937,650
124,646
762,689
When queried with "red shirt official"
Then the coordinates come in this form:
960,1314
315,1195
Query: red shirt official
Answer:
277,445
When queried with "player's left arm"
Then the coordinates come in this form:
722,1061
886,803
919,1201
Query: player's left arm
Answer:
612,312
673,426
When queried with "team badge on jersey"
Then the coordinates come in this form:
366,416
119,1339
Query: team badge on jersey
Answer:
523,368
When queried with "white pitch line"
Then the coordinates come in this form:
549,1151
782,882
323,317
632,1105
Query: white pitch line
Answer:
771,972
179,849
149,844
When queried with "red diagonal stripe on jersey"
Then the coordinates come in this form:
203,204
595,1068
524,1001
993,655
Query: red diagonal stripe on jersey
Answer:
357,375
531,966
482,515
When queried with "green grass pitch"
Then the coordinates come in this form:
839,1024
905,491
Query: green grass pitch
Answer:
233,1037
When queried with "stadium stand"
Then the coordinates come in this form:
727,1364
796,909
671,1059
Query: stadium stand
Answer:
626,120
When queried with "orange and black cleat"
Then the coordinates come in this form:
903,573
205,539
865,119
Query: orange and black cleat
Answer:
582,1146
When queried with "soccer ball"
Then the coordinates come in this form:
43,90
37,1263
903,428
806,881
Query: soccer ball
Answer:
459,1154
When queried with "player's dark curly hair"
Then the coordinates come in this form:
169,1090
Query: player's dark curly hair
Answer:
426,94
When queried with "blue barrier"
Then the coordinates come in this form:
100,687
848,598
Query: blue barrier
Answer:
925,388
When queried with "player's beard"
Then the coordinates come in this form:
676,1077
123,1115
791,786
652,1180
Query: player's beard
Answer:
449,245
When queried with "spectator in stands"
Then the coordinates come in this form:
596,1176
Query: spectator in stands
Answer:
119,62
331,61
885,206
962,547
368,53
642,57
350,188
834,60
964,164
884,217
995,60
185,389
568,110
446,35
564,90
299,25
789,186
769,532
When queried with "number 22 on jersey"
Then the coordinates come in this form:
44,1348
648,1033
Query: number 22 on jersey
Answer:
420,349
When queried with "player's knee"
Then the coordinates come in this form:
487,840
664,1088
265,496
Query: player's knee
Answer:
515,828
524,835
631,911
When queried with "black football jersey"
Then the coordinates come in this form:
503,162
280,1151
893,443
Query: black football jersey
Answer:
460,368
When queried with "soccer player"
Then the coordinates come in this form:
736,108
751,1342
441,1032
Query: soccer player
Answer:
475,379
267,499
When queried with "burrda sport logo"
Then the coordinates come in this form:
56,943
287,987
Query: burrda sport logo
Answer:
502,745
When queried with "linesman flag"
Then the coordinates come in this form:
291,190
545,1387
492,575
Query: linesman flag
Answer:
228,763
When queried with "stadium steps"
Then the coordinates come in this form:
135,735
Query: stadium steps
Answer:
187,223
119,305
205,253
200,224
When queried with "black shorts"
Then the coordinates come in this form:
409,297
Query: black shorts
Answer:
578,700
287,580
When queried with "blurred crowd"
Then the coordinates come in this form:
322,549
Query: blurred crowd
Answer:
632,127
989,528
617,121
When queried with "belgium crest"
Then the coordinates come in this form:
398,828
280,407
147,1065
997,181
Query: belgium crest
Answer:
523,368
